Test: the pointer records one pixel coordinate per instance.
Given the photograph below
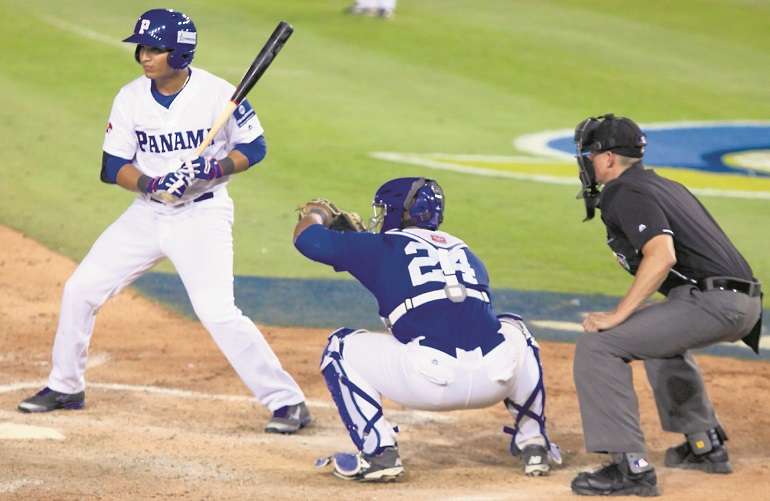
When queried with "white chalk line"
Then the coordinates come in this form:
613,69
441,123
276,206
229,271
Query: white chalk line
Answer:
113,42
422,161
417,159
86,33
15,431
411,416
97,359
15,485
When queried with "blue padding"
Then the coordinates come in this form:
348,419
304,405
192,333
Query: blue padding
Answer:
337,380
110,167
255,151
332,378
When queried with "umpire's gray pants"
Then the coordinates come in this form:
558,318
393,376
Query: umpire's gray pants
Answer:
659,334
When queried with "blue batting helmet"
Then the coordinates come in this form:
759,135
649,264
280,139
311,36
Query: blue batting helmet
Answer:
408,201
166,29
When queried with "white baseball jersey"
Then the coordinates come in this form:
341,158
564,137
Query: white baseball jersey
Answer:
159,139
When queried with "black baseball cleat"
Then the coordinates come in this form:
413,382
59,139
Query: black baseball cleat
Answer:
47,400
385,466
616,480
714,461
535,460
289,419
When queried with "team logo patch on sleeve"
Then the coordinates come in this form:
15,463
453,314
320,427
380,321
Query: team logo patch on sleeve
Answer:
109,127
243,113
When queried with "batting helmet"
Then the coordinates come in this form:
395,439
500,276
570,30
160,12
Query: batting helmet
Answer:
166,29
408,201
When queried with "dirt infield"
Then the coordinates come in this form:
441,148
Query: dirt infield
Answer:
166,417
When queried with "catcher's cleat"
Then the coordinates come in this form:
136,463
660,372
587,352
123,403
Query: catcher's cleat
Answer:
289,419
616,480
47,400
383,467
535,460
714,461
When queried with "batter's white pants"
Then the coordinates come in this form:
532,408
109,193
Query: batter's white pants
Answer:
197,238
420,377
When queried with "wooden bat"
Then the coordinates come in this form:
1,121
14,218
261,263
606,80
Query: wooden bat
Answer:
271,48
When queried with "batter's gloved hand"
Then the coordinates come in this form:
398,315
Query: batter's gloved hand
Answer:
334,218
174,184
203,168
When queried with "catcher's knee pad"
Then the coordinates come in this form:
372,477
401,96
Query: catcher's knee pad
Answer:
359,410
518,322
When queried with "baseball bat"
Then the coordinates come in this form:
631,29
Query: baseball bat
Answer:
274,44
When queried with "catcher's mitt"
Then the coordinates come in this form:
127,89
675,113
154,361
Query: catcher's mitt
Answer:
340,220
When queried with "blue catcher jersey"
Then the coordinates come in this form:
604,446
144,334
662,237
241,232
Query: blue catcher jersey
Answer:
412,272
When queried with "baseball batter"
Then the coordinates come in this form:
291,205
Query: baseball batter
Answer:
447,349
182,211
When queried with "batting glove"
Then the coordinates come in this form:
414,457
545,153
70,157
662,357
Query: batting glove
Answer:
204,168
173,183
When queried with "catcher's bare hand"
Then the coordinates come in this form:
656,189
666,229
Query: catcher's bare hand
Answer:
331,216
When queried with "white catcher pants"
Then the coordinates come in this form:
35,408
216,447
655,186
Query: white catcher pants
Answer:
420,377
197,238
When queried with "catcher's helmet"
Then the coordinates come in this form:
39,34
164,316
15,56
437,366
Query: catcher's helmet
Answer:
166,29
408,201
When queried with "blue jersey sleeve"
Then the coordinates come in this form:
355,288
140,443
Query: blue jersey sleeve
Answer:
110,167
255,151
345,251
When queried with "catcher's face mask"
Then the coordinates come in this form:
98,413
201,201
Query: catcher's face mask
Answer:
598,134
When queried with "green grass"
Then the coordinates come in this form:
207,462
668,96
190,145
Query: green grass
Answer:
445,75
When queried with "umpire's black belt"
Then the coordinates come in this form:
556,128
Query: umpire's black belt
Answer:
748,287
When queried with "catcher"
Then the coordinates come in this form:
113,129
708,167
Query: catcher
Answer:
447,349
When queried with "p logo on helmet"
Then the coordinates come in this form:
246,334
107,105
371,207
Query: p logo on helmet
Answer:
171,30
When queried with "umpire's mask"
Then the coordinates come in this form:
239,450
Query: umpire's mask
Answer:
595,135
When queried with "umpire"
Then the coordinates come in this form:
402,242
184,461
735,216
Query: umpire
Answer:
669,242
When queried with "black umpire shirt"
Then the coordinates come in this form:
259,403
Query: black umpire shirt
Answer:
639,204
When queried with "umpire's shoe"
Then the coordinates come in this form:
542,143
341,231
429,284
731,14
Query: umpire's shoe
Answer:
289,419
47,400
704,451
617,479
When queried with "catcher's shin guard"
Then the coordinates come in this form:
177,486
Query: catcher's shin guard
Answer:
357,403
530,407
